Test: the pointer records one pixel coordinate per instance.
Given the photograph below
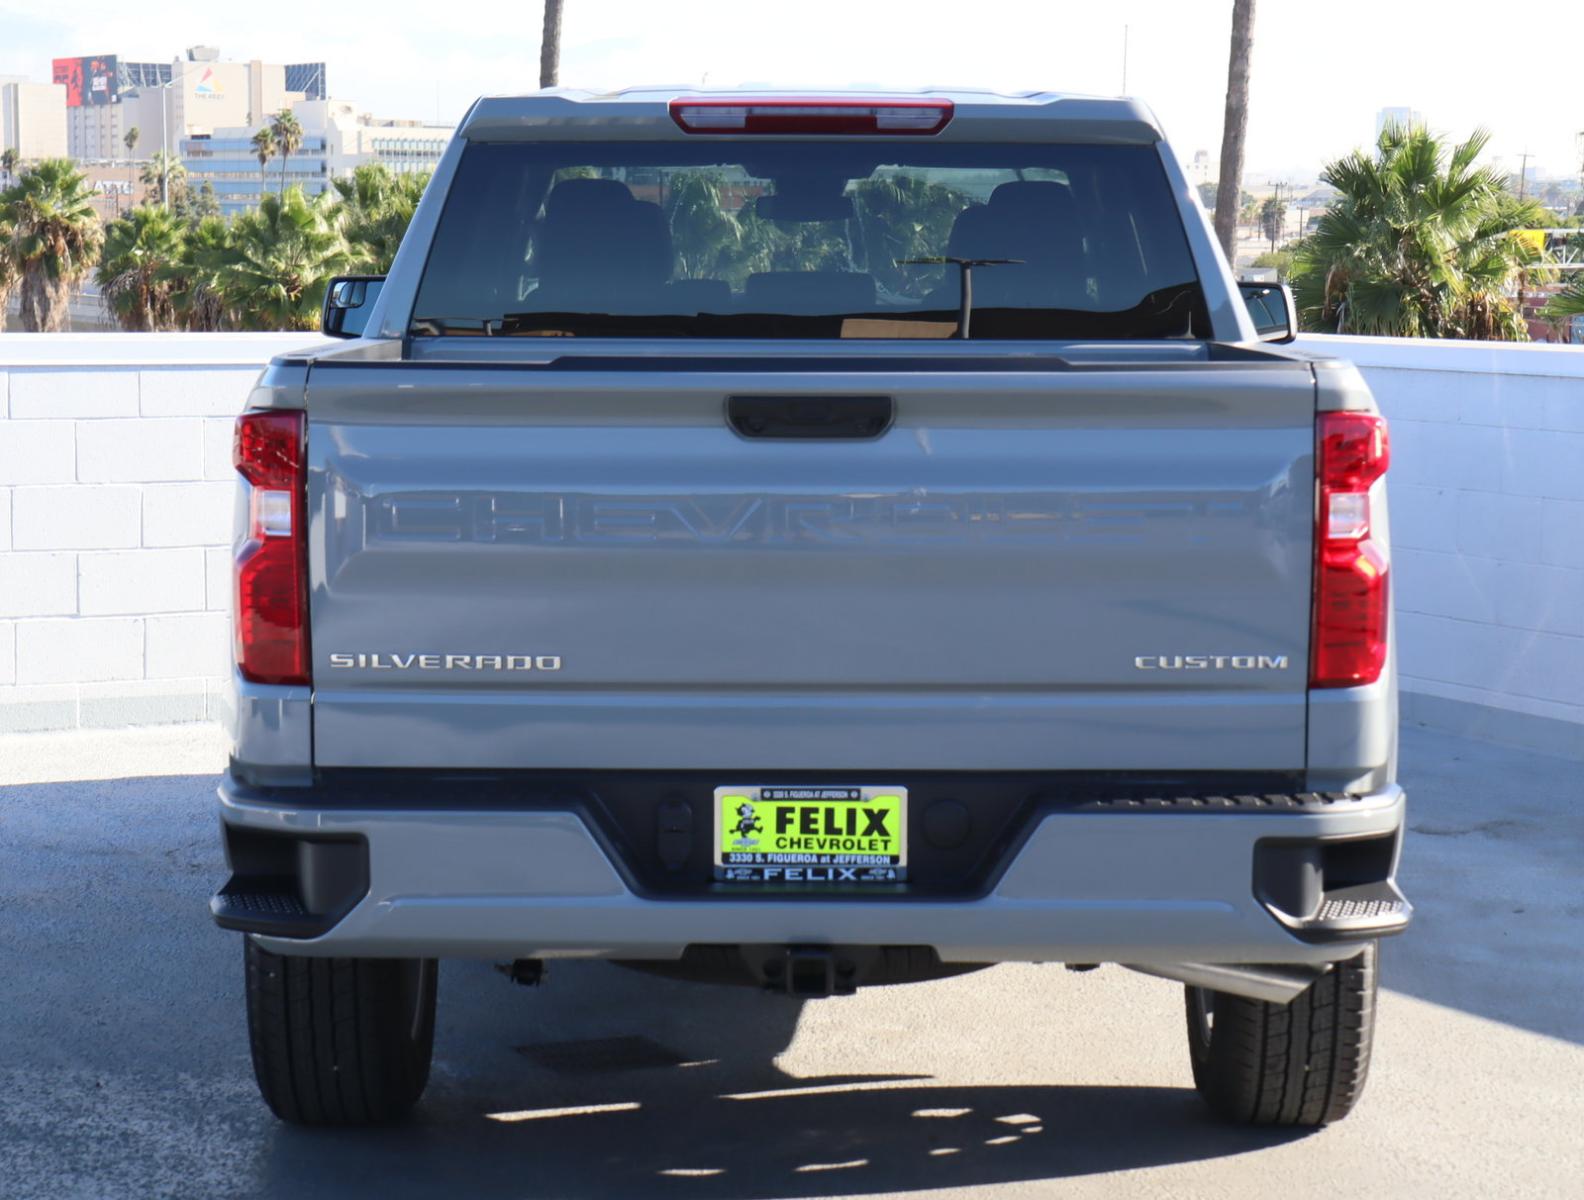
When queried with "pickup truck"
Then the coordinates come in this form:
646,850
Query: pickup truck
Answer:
811,542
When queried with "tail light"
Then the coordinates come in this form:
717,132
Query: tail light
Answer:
812,116
271,619
1351,602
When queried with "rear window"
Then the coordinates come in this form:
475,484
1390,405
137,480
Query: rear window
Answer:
777,238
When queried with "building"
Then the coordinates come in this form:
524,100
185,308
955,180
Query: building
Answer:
1403,118
1201,169
106,96
336,139
32,118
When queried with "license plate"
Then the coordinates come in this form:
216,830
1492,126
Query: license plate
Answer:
811,834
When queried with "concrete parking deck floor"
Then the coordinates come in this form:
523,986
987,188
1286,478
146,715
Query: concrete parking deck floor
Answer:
124,1065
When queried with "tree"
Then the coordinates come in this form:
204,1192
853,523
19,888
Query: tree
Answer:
130,141
1567,303
1207,196
1419,243
1272,216
8,268
1281,260
282,255
194,204
550,45
165,174
708,241
1234,126
376,206
264,150
195,278
903,217
288,137
54,240
135,270
8,162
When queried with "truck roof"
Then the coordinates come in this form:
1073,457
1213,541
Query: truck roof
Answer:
643,113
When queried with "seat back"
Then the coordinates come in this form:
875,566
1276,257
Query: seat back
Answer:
599,248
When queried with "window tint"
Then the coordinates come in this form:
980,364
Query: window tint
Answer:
773,238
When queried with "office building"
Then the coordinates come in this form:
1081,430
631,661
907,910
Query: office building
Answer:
107,95
1201,169
32,118
336,139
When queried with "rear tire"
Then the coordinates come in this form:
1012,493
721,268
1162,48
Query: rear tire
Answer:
339,1041
1297,1064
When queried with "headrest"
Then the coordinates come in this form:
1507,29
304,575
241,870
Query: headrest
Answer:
973,234
1027,195
596,236
600,195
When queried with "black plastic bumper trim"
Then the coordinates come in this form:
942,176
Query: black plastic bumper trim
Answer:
287,884
1332,889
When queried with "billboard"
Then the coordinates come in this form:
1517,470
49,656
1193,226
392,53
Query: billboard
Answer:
90,80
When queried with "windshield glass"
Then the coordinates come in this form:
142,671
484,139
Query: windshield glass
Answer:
773,238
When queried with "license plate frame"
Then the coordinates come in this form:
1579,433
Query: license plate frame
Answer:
828,839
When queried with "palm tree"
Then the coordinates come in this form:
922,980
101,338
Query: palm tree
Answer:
1419,244
130,141
195,279
288,135
264,148
8,163
282,255
550,45
55,238
134,273
1569,302
376,206
709,241
8,268
1234,127
901,218
166,175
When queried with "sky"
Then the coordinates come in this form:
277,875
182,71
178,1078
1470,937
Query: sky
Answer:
1320,70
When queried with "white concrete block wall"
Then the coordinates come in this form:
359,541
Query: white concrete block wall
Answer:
115,513
115,509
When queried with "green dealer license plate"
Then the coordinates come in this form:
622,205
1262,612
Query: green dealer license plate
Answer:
790,834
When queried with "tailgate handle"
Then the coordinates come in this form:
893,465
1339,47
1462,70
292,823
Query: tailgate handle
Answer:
810,417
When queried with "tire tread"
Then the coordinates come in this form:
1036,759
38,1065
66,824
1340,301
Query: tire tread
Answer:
333,1040
1299,1064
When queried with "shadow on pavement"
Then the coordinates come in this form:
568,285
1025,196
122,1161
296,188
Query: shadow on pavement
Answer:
728,1121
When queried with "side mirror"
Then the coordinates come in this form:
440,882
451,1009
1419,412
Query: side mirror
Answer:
348,302
1271,306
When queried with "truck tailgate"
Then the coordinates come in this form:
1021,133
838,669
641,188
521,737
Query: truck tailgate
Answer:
1087,568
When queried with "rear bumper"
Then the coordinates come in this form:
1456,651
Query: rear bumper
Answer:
1256,881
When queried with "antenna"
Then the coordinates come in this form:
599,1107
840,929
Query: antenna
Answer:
1125,30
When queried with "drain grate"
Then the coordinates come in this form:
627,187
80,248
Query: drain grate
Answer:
597,1055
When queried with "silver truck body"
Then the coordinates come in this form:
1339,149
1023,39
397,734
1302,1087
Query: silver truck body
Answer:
1089,572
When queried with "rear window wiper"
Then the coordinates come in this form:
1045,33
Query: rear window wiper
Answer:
965,268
